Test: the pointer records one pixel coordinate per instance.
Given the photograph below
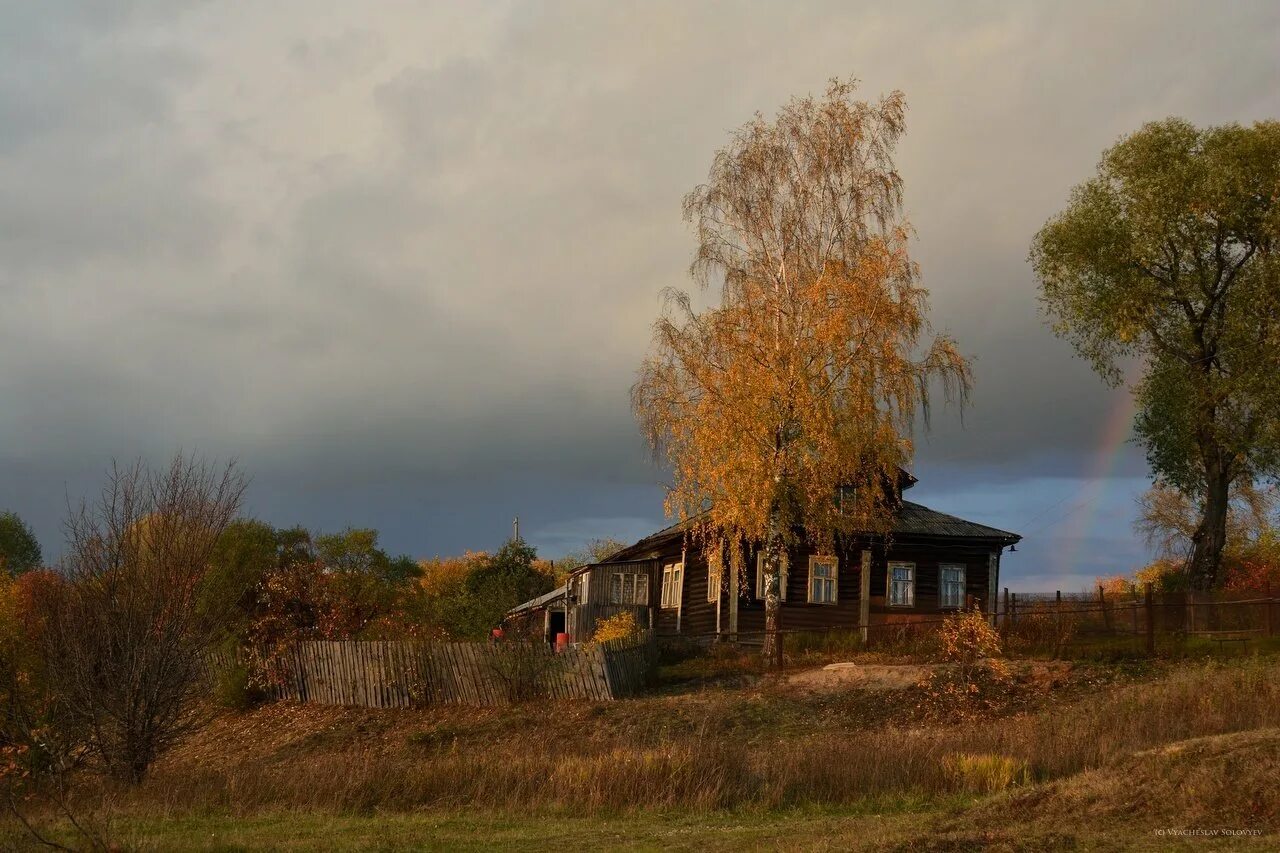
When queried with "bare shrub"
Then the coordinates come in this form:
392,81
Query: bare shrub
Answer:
125,644
967,640
521,668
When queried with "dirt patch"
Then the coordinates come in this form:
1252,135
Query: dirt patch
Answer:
854,675
837,677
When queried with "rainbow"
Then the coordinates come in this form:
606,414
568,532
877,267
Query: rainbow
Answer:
1114,435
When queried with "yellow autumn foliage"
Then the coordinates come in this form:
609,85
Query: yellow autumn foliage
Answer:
619,626
808,374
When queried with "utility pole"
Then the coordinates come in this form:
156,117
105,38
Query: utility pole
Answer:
515,529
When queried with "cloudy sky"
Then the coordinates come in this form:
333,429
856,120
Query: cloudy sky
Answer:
401,259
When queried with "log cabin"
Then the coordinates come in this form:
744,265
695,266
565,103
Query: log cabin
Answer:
929,564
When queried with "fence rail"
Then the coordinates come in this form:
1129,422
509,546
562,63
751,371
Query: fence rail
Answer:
411,673
1055,621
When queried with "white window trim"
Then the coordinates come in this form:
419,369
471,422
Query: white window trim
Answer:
835,577
783,575
639,582
672,586
911,587
942,587
715,580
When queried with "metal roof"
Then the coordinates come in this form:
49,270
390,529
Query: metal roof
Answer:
535,603
915,519
911,519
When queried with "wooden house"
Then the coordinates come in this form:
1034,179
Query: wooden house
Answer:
931,563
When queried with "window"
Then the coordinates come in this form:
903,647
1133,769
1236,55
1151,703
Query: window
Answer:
846,495
824,580
714,583
672,584
786,566
951,585
584,586
902,584
628,588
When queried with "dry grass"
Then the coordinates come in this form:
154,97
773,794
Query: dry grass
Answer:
1227,780
697,752
1194,746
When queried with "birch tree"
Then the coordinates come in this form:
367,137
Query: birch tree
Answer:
808,373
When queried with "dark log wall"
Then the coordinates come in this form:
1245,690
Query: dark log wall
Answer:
697,616
928,559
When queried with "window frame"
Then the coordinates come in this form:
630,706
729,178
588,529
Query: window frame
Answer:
785,574
834,580
942,585
911,583
672,586
638,581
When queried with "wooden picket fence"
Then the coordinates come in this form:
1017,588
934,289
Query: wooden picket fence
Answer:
412,673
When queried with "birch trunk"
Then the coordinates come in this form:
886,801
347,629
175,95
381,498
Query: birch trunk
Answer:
773,595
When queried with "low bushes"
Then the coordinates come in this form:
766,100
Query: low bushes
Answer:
619,626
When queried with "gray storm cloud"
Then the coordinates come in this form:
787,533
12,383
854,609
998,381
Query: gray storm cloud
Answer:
402,260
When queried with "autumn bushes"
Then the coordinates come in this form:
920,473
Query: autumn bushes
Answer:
106,663
284,586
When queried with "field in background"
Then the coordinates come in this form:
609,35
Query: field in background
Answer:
728,759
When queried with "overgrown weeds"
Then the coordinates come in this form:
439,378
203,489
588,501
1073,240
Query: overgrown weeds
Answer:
732,750
984,774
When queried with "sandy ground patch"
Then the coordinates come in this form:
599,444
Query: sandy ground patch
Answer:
850,675
858,676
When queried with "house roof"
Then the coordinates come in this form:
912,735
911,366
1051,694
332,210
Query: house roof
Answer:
912,519
648,543
915,519
540,601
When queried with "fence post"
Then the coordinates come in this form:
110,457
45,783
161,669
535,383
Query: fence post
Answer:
1013,609
1151,620
1006,605
1057,624
1106,614
1267,611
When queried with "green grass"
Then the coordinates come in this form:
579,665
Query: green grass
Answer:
877,826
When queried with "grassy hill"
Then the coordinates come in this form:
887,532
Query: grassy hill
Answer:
1070,755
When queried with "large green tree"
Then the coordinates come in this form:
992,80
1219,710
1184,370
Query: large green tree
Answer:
500,582
19,548
1167,258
